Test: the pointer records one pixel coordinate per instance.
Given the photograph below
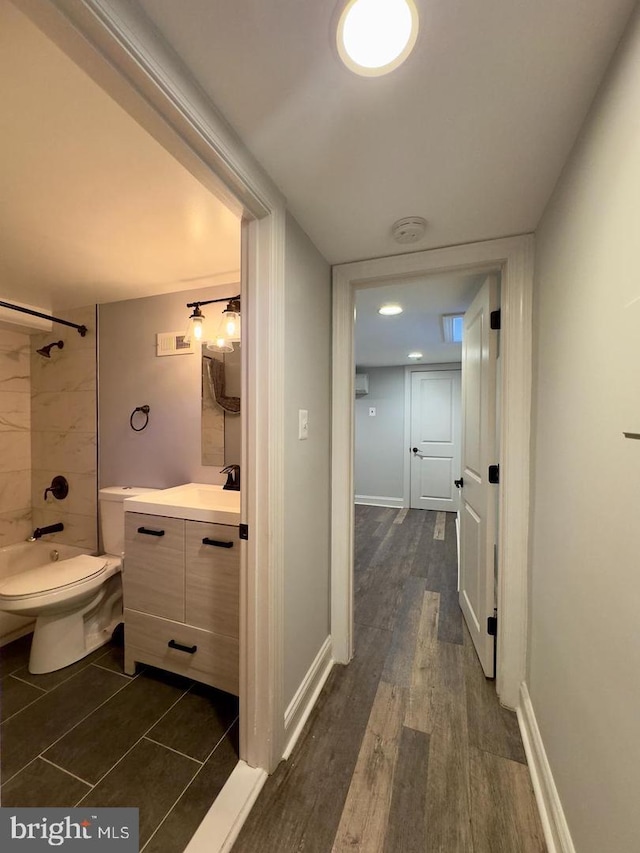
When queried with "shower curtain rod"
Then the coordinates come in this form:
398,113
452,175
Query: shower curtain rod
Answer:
82,330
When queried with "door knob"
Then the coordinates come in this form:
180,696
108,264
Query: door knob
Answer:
415,449
458,483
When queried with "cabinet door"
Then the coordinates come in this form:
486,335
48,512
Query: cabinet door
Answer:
213,577
153,577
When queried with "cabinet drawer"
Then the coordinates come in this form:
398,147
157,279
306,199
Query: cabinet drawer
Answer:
212,585
214,661
153,577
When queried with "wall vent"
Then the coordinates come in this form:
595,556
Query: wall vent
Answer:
173,343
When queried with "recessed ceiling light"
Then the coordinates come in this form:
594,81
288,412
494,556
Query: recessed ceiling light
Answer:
376,36
415,355
390,310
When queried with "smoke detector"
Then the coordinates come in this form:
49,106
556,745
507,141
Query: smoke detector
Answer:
409,230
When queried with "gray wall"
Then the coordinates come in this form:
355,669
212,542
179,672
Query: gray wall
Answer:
168,451
307,463
584,671
379,445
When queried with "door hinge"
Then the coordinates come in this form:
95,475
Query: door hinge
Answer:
495,319
494,474
492,626
243,531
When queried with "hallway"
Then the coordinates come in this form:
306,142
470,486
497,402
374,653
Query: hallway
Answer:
407,749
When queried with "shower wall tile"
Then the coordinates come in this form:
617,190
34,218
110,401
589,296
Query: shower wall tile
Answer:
66,453
66,370
79,530
15,451
64,429
15,443
63,411
15,526
81,499
15,491
14,362
15,410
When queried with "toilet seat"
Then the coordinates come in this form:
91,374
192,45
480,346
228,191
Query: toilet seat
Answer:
53,577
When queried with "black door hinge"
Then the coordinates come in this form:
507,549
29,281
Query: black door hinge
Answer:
494,474
492,626
495,320
243,531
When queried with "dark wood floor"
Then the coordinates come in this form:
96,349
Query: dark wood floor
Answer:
407,749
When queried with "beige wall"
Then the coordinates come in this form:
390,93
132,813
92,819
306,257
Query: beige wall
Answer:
307,463
584,671
15,441
63,429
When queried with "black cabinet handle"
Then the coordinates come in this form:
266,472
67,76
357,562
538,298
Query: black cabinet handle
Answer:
150,531
189,649
458,483
219,543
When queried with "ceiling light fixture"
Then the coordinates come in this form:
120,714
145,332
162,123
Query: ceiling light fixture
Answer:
228,330
415,355
376,36
390,310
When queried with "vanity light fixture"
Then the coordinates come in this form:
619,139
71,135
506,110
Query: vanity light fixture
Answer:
390,310
415,355
376,36
228,330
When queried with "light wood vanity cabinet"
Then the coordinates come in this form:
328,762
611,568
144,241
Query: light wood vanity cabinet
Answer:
181,597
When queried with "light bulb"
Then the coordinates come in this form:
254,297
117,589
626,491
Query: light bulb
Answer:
376,36
197,328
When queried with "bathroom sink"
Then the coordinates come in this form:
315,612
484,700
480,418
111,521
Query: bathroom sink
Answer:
196,501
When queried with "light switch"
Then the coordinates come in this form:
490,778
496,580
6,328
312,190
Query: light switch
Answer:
303,424
372,411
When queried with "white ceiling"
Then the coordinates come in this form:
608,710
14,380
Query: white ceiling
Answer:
470,133
386,341
93,209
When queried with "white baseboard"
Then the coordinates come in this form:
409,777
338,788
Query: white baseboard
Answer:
379,500
222,823
554,824
306,695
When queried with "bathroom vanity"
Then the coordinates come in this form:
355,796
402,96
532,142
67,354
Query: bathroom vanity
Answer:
181,583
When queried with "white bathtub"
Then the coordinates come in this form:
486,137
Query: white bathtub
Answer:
18,558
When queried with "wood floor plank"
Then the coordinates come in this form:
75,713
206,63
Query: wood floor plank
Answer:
400,517
377,602
398,666
492,728
447,813
406,825
418,706
363,825
503,811
439,529
301,804
422,556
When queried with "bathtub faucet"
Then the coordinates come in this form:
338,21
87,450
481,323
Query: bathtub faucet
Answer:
41,531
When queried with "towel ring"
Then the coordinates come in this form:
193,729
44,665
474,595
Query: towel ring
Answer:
145,411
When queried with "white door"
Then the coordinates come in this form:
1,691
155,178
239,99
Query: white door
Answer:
435,439
478,504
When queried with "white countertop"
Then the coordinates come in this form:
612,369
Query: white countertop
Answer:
195,501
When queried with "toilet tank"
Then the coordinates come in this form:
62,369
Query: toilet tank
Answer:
111,509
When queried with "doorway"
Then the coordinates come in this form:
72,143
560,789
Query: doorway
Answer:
513,258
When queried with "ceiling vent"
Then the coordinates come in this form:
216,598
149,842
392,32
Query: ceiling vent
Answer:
409,230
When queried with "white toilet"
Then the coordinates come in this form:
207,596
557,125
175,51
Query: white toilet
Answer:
77,602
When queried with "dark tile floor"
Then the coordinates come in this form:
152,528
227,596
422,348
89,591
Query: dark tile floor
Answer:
91,734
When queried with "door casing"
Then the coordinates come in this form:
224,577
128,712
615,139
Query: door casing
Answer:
512,257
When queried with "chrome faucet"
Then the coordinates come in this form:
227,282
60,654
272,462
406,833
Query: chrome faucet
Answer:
233,477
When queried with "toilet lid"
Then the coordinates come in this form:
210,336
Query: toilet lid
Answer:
52,576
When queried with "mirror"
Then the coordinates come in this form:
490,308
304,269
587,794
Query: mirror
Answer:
220,428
